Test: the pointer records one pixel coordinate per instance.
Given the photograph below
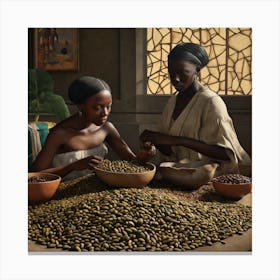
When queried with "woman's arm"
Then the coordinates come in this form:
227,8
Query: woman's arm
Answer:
44,158
59,170
164,149
158,138
43,161
122,149
117,143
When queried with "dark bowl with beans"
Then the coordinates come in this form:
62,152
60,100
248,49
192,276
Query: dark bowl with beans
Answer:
233,186
42,186
122,173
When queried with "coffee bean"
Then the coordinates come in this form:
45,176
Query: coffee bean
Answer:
38,179
232,179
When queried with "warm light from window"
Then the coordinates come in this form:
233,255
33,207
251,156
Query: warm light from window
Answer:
228,71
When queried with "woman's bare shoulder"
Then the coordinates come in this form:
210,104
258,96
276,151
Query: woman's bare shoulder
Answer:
62,129
109,125
66,124
110,129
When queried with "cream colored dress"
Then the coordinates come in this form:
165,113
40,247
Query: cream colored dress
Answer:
69,157
205,118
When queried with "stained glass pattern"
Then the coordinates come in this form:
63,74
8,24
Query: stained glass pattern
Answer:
228,71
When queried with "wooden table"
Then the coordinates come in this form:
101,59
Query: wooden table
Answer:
235,243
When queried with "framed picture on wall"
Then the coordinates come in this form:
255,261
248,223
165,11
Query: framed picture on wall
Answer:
56,49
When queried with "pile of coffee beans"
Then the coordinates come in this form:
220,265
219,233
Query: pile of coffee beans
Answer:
122,166
132,220
38,179
232,179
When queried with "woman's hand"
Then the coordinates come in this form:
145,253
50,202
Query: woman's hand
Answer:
146,152
163,142
86,163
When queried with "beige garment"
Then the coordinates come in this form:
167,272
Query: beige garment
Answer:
205,118
35,139
69,157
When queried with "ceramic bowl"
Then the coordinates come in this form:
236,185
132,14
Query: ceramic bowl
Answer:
42,191
190,175
128,180
234,191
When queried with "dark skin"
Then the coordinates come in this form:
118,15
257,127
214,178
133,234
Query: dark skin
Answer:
182,75
83,133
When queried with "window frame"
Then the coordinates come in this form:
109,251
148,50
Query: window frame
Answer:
146,103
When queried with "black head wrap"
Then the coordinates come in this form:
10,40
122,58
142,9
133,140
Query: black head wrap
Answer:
84,87
189,52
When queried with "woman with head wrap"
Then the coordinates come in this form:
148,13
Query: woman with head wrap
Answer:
78,141
195,123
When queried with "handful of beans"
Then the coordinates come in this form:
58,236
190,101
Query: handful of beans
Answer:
232,179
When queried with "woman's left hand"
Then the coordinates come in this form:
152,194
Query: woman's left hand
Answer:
146,152
87,162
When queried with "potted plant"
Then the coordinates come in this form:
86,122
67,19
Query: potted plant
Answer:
41,96
42,100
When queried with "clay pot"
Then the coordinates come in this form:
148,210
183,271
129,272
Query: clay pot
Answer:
234,191
42,191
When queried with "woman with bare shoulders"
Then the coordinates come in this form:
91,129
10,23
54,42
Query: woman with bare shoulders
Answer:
78,141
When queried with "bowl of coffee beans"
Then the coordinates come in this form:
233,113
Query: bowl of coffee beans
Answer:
122,173
42,186
232,185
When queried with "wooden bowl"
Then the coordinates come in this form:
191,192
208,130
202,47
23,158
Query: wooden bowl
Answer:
42,191
234,191
190,175
128,180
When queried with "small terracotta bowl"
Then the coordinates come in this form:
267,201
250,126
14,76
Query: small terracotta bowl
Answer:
128,180
234,191
42,191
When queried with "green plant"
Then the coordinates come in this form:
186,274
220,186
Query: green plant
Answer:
41,97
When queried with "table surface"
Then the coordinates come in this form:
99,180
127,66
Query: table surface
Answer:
235,243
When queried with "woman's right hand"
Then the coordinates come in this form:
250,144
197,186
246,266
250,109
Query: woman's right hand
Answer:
161,141
86,163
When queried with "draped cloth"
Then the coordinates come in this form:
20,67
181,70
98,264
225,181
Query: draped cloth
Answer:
205,118
37,134
69,157
35,139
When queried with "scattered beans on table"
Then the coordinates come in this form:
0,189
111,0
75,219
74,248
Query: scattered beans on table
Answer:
132,220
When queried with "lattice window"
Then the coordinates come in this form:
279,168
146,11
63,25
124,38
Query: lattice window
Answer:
228,71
